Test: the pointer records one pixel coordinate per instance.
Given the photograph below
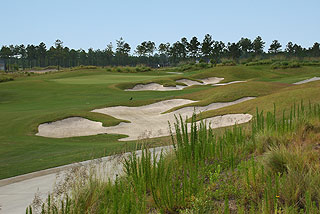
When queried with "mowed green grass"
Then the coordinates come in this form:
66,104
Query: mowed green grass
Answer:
29,101
105,79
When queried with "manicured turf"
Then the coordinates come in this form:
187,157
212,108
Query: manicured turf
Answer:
27,102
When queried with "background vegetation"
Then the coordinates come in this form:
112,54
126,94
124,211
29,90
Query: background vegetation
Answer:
147,53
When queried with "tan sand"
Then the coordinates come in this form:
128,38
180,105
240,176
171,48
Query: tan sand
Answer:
158,87
41,71
307,80
146,121
155,87
211,80
189,82
228,83
71,127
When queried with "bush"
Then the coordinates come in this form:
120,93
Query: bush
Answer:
260,62
128,69
84,67
285,65
5,79
194,66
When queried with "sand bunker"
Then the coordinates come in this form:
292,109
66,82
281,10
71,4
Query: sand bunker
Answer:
71,127
41,71
187,82
307,80
228,83
146,121
155,87
211,80
173,72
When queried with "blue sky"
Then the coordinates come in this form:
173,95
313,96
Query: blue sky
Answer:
95,23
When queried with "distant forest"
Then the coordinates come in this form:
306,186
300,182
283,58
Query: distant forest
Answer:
147,53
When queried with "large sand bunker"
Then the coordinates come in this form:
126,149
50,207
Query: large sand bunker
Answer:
146,121
71,127
307,80
187,82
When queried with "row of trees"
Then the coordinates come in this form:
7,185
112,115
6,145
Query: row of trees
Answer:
148,53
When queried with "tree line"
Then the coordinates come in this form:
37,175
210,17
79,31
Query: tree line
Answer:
148,53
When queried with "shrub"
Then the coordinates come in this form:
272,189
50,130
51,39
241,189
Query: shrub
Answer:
84,67
285,65
260,62
5,79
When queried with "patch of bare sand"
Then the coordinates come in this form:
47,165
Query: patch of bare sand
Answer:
158,87
146,121
41,71
189,82
307,80
211,80
155,87
228,83
71,127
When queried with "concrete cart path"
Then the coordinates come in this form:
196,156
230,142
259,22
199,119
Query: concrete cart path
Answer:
17,193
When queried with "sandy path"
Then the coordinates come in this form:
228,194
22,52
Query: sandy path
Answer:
145,121
307,80
18,192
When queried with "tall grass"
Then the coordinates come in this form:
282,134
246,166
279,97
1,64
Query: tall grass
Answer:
208,172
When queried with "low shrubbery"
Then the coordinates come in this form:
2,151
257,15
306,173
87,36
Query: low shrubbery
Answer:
194,66
5,79
285,65
128,69
260,62
270,168
83,67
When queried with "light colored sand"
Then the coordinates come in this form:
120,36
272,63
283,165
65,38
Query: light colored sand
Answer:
41,71
189,82
158,87
154,87
71,127
228,83
173,72
212,80
307,80
18,192
146,121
